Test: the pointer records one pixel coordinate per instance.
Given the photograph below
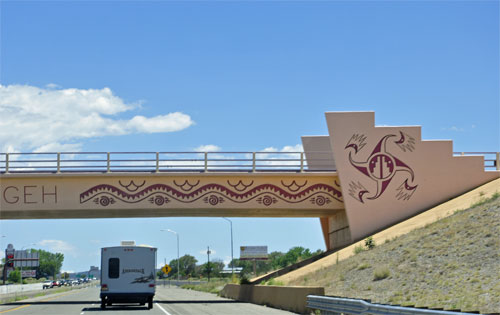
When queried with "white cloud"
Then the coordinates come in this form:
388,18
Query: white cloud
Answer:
45,119
58,246
453,128
287,148
207,148
204,252
273,156
59,147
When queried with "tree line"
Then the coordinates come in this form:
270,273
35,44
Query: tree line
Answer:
189,267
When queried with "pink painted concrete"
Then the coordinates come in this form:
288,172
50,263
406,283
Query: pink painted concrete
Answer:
388,174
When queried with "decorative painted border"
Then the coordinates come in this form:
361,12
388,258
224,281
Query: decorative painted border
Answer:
213,194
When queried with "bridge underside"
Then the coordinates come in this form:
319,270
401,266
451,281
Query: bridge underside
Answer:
140,213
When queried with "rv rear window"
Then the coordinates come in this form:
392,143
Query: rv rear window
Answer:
114,268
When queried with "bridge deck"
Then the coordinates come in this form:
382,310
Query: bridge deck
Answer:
103,185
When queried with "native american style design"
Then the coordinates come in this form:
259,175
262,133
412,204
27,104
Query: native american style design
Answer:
381,166
214,194
186,186
239,186
293,186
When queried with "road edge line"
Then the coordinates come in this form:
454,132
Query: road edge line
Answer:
161,308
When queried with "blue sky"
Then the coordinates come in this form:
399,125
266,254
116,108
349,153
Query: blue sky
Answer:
241,76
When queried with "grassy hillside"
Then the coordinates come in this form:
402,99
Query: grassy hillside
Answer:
453,263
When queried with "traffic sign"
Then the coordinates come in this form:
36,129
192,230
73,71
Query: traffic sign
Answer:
166,269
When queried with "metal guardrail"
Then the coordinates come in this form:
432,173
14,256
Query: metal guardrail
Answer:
335,305
156,162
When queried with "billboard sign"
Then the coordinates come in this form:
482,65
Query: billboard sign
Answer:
253,252
25,259
29,273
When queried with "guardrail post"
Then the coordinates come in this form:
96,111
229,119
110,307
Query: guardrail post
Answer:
157,162
498,161
206,161
6,163
301,162
58,162
108,164
253,162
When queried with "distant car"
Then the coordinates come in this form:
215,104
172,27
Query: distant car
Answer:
56,283
74,282
47,285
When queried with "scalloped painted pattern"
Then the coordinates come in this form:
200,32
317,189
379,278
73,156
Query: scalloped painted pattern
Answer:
234,196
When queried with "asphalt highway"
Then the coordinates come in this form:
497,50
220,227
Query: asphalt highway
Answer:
167,301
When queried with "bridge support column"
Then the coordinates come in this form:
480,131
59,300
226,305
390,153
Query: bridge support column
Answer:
336,230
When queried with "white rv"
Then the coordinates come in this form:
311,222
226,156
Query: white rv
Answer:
128,274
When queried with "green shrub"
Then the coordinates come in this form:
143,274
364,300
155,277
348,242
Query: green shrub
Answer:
380,274
244,280
369,243
358,249
363,266
273,281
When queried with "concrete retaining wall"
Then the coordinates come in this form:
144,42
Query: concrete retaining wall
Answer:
287,298
13,288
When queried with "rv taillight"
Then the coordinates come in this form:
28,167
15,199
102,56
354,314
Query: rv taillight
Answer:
151,285
104,287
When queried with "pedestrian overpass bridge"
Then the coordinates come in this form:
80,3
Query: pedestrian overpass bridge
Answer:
358,179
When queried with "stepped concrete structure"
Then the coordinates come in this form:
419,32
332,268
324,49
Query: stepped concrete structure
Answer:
388,174
359,179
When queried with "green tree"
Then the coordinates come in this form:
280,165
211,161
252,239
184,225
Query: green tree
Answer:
50,263
214,267
15,276
187,264
160,274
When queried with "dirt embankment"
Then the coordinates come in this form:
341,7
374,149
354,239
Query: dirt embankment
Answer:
453,263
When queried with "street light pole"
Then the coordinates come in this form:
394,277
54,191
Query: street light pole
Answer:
232,259
178,259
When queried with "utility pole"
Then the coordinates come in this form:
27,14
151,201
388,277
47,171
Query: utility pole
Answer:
208,262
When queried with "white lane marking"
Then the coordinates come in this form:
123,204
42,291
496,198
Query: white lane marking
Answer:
161,308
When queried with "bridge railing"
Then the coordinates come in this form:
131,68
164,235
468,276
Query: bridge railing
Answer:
60,162
491,159
65,162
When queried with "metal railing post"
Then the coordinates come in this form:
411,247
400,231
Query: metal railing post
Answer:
58,162
6,163
157,162
206,161
301,162
253,162
108,164
498,161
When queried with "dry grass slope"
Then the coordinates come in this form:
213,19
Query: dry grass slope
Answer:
453,263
